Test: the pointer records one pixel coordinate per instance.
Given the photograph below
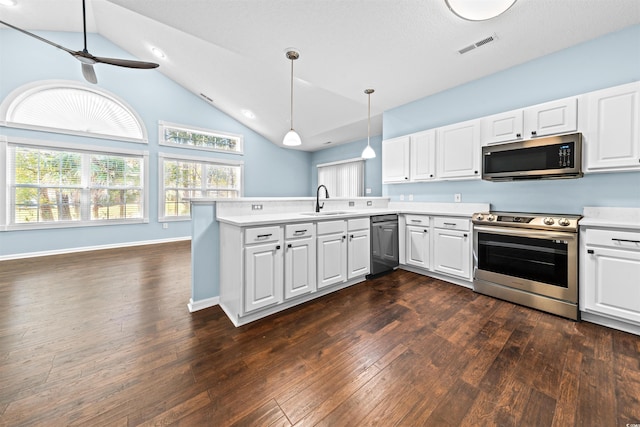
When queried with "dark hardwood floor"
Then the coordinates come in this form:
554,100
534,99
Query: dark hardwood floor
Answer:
105,338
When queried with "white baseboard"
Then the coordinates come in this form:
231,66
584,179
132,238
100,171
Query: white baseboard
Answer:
202,304
91,248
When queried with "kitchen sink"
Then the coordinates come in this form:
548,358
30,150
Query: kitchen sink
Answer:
327,213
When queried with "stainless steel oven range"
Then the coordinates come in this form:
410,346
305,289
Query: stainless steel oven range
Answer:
528,259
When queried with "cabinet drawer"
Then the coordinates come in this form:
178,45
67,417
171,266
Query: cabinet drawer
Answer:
293,231
421,220
461,224
613,238
331,227
358,224
261,235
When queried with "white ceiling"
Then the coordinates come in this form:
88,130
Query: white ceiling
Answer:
233,51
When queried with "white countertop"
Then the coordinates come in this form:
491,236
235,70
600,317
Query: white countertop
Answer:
611,217
439,209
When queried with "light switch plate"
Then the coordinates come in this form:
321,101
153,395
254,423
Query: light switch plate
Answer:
457,197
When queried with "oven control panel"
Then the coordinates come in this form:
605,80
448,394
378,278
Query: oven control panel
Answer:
526,220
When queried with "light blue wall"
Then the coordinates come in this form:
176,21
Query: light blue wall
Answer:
352,150
610,60
269,170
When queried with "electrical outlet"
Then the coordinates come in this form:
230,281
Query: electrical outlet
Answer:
165,225
368,191
402,197
256,207
411,197
369,203
457,197
352,204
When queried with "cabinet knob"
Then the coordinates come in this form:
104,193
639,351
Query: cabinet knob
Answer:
289,245
475,171
406,177
431,176
465,234
534,133
277,247
518,135
590,251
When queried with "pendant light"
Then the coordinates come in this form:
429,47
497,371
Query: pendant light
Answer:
474,10
292,138
368,152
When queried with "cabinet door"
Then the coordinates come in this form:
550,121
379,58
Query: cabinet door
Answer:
358,253
551,118
612,138
458,150
417,249
395,159
263,276
502,127
423,156
611,284
299,267
452,252
332,259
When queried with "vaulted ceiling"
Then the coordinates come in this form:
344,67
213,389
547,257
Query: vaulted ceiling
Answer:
233,51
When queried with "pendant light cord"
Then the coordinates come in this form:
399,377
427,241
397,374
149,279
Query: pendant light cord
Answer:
291,93
369,120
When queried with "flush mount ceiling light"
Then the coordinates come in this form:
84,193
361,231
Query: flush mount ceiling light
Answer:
292,138
158,53
479,10
368,152
8,2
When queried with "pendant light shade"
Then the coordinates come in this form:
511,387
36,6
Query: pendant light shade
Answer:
292,138
368,152
475,10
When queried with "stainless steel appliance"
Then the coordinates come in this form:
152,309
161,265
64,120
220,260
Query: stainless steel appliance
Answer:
528,259
543,158
384,243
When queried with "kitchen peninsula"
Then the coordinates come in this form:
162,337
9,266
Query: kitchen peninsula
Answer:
240,261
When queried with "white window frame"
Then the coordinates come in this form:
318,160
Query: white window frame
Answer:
7,180
162,125
162,157
19,94
332,187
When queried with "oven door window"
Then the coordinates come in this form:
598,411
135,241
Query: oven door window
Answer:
529,258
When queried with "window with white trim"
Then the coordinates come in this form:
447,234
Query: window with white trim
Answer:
199,139
62,185
344,178
184,178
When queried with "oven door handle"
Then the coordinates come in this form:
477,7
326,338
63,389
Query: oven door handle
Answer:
532,233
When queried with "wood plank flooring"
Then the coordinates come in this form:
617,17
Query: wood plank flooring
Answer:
105,338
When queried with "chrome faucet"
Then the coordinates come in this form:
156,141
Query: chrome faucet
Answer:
326,192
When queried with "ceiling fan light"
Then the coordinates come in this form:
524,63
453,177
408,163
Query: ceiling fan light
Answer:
479,10
291,139
368,153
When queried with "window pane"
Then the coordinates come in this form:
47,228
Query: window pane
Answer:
227,177
202,139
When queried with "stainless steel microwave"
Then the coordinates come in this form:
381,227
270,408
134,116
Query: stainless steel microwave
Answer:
550,157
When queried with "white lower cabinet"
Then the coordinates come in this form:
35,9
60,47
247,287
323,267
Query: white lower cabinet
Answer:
299,260
418,241
358,247
263,262
611,279
452,247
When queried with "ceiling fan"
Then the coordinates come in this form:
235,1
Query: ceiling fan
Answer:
87,59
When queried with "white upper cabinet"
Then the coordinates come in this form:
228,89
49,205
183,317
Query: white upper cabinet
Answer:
423,156
502,127
551,118
458,148
395,159
611,131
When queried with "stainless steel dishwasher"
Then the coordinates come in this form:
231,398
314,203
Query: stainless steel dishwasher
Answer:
384,244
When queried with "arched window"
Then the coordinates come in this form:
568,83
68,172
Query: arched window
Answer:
73,108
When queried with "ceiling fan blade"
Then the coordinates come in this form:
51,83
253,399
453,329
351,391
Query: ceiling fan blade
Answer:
89,73
126,63
38,37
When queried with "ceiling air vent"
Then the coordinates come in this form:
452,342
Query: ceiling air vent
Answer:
206,97
482,42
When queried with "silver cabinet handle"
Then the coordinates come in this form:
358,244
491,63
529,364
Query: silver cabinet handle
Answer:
416,220
262,236
298,232
450,223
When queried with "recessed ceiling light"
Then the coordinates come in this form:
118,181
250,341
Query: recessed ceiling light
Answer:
8,2
248,114
157,52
